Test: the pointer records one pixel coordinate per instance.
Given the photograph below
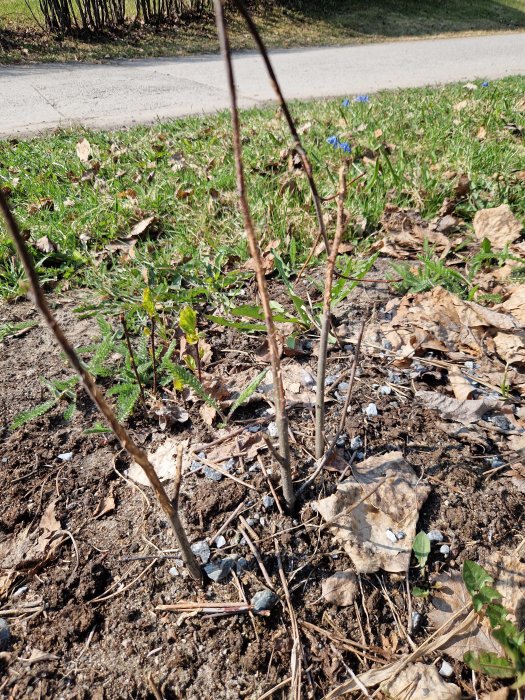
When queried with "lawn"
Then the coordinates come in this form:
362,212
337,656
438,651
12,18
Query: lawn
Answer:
140,246
293,23
406,146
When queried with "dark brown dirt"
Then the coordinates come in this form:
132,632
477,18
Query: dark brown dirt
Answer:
90,607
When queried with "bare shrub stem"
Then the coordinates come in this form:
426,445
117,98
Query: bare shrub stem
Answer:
325,322
287,115
96,395
255,253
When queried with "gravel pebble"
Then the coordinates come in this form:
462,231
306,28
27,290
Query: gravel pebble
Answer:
268,501
210,473
416,621
385,390
220,541
446,670
272,429
371,410
435,536
66,456
264,600
218,571
5,634
391,535
356,442
445,550
202,550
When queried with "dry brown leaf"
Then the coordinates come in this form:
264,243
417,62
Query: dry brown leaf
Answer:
440,320
299,385
499,225
406,232
464,412
420,682
106,505
163,461
207,413
461,386
482,134
84,150
45,245
141,228
44,203
451,598
365,526
245,444
340,588
501,694
462,187
515,304
37,656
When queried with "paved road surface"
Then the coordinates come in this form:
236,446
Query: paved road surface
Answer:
42,97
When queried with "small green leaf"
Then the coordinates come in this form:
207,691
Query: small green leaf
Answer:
188,324
96,429
475,577
420,592
421,548
247,392
68,413
487,662
32,413
148,303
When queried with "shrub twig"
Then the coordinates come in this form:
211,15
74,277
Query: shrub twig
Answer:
325,323
96,395
252,28
281,418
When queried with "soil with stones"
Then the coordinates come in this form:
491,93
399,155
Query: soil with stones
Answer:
82,609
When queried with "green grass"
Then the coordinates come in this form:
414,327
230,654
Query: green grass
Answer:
285,24
197,244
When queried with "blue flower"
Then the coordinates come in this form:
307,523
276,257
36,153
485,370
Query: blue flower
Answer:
361,98
485,84
333,141
345,102
343,145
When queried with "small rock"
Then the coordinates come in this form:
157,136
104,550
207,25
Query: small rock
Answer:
340,588
356,442
252,521
242,565
391,535
174,571
253,428
445,550
386,344
5,634
268,501
202,550
308,380
66,456
341,440
469,365
446,670
371,410
435,536
500,422
220,542
210,473
343,386
385,390
20,592
401,535
264,600
218,571
329,380
416,621
272,429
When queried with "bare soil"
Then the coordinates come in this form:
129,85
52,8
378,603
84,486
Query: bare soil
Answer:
90,606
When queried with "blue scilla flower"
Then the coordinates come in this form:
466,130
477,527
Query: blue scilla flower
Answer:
333,141
362,98
345,102
344,146
485,84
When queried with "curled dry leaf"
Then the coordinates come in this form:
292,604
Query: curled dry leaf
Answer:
45,245
499,225
439,320
341,588
461,386
84,150
37,656
420,682
406,232
464,412
515,304
365,524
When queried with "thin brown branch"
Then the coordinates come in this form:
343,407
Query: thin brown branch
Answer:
177,481
287,115
325,323
153,355
96,395
132,358
255,253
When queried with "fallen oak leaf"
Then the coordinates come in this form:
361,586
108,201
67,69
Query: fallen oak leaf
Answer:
84,150
464,412
45,245
498,225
